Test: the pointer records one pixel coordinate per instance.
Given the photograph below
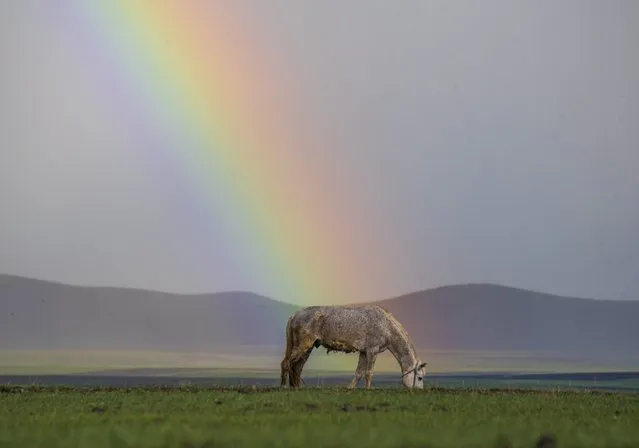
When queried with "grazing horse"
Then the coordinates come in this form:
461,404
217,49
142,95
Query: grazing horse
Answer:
367,329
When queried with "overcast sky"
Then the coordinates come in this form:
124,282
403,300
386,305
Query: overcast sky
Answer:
492,142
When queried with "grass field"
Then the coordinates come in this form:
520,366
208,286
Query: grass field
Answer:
33,416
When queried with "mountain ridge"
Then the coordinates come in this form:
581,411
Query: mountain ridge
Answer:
134,289
249,292
39,314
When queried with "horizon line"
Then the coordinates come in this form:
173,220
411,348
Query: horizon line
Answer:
240,291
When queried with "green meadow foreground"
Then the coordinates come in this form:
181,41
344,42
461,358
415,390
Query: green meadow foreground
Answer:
243,417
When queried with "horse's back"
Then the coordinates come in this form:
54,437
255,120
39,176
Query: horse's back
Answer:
371,317
351,319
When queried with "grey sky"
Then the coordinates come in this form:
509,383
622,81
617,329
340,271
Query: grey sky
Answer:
493,142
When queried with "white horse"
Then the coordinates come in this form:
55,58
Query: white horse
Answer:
367,329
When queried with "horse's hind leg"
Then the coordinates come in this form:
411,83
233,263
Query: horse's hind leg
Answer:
359,371
295,373
298,366
285,367
297,360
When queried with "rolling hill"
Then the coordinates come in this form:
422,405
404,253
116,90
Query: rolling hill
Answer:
36,314
43,315
493,317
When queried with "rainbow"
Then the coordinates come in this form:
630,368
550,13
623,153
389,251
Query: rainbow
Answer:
207,98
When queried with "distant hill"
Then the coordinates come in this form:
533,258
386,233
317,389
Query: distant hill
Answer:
36,314
493,317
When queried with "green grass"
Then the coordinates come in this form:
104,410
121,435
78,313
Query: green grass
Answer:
244,417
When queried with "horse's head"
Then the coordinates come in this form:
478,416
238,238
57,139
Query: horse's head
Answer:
414,378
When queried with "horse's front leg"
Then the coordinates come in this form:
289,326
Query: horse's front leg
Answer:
371,357
359,371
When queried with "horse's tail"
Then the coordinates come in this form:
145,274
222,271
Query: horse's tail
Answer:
286,362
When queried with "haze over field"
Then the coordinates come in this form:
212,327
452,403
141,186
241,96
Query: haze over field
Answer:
42,315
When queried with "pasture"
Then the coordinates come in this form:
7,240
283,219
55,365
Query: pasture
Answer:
164,416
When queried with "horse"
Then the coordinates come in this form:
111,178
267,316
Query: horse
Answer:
367,329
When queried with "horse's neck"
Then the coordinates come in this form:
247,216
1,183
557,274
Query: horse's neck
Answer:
402,349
